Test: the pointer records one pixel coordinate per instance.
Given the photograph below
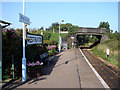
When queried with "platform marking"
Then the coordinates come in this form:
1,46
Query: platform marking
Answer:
96,73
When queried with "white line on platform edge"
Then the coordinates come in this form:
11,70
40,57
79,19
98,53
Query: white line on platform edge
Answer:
96,73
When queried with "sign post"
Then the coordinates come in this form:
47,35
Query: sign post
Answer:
25,20
23,59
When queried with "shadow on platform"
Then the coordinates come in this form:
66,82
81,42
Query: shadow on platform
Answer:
46,70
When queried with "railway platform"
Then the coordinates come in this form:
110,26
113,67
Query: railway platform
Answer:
68,70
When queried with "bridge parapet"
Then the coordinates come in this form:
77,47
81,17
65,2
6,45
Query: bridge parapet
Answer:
94,31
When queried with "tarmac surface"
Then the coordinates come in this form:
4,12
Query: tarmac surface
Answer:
68,69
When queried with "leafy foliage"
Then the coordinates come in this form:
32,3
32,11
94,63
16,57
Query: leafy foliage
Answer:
46,35
63,27
12,45
93,39
105,25
109,33
50,42
114,36
73,30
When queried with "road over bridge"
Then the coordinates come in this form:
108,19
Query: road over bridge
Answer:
91,31
100,32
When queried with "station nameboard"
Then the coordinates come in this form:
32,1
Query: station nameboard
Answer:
24,19
34,39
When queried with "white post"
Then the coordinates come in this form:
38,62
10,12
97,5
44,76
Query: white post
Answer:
23,59
108,53
59,39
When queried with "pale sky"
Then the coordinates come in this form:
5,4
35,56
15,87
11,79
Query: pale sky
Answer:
43,14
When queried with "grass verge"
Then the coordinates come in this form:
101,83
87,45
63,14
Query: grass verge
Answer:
100,51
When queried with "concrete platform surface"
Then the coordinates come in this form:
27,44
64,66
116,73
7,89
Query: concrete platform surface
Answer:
67,70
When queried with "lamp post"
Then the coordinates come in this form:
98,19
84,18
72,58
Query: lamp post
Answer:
72,41
60,36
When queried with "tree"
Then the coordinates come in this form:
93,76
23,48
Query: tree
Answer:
105,25
63,27
42,28
55,24
73,30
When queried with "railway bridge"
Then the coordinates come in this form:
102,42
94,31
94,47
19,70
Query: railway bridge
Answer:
99,32
82,31
91,31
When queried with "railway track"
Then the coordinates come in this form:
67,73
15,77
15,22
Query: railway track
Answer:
109,76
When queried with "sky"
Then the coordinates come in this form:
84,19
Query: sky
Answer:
43,14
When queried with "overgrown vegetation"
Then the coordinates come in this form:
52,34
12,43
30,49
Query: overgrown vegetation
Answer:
11,46
72,29
12,50
54,36
100,51
112,44
52,33
109,33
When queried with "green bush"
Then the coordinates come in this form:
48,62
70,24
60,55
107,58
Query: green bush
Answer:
50,42
52,52
93,39
69,47
12,45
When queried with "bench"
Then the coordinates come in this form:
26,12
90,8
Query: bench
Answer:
46,58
